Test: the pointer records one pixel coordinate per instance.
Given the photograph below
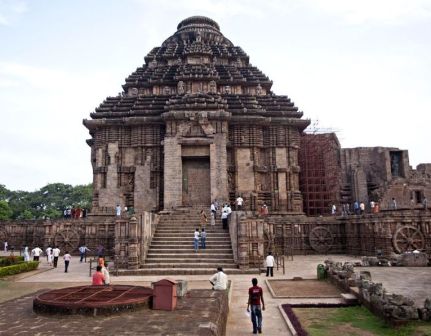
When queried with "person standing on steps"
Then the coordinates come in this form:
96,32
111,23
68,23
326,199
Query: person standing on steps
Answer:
255,296
203,218
224,216
203,239
269,264
196,240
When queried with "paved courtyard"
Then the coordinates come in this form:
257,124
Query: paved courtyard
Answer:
417,284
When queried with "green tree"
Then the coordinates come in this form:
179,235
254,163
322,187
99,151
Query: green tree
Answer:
5,210
49,201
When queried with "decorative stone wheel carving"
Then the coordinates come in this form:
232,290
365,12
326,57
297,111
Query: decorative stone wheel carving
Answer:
407,238
67,239
321,239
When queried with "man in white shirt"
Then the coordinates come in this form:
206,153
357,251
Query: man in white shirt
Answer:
105,273
239,203
36,252
5,246
55,254
269,264
219,280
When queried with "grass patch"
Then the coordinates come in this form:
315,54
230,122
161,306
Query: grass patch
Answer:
354,321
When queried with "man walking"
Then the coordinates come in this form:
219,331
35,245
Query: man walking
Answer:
55,254
67,257
36,252
255,296
269,264
83,252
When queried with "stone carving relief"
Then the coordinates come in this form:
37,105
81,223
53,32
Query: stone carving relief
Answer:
259,90
227,89
166,90
181,88
133,92
213,87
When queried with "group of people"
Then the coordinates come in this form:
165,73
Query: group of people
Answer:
75,212
52,256
101,276
255,302
199,239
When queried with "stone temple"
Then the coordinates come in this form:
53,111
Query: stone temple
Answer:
196,123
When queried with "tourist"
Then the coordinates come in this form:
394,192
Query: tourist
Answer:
36,253
393,204
333,210
83,253
49,257
98,278
67,257
65,213
264,210
5,246
55,255
239,202
212,218
105,272
372,205
26,254
203,238
425,203
356,208
84,213
100,261
196,240
69,213
72,213
203,218
224,216
213,209
255,296
362,207
219,280
269,264
118,210
100,250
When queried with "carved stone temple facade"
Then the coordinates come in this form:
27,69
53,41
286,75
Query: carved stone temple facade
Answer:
195,123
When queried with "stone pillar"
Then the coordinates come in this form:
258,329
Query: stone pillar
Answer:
173,173
133,258
218,168
110,196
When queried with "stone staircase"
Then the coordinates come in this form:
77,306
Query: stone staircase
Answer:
171,250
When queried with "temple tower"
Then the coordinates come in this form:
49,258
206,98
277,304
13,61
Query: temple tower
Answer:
196,122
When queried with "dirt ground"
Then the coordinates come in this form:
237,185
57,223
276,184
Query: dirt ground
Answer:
304,289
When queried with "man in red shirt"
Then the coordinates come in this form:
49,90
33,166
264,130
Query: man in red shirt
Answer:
98,277
255,296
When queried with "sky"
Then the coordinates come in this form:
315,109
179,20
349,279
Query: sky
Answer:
359,68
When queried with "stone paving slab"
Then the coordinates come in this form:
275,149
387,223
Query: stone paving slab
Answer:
418,280
199,313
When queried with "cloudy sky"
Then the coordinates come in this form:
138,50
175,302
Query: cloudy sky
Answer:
360,68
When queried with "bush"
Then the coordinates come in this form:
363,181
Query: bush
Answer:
10,260
18,268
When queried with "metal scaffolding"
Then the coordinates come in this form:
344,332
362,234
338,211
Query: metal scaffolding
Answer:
320,177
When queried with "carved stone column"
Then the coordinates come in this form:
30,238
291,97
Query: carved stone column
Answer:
133,258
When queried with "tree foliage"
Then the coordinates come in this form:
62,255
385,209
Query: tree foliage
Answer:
49,201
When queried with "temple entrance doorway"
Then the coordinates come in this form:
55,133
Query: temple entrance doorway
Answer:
196,181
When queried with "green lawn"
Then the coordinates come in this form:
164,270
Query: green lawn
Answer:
353,321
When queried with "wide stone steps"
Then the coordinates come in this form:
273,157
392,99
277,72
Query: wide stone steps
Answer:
192,264
188,244
190,252
171,250
185,271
